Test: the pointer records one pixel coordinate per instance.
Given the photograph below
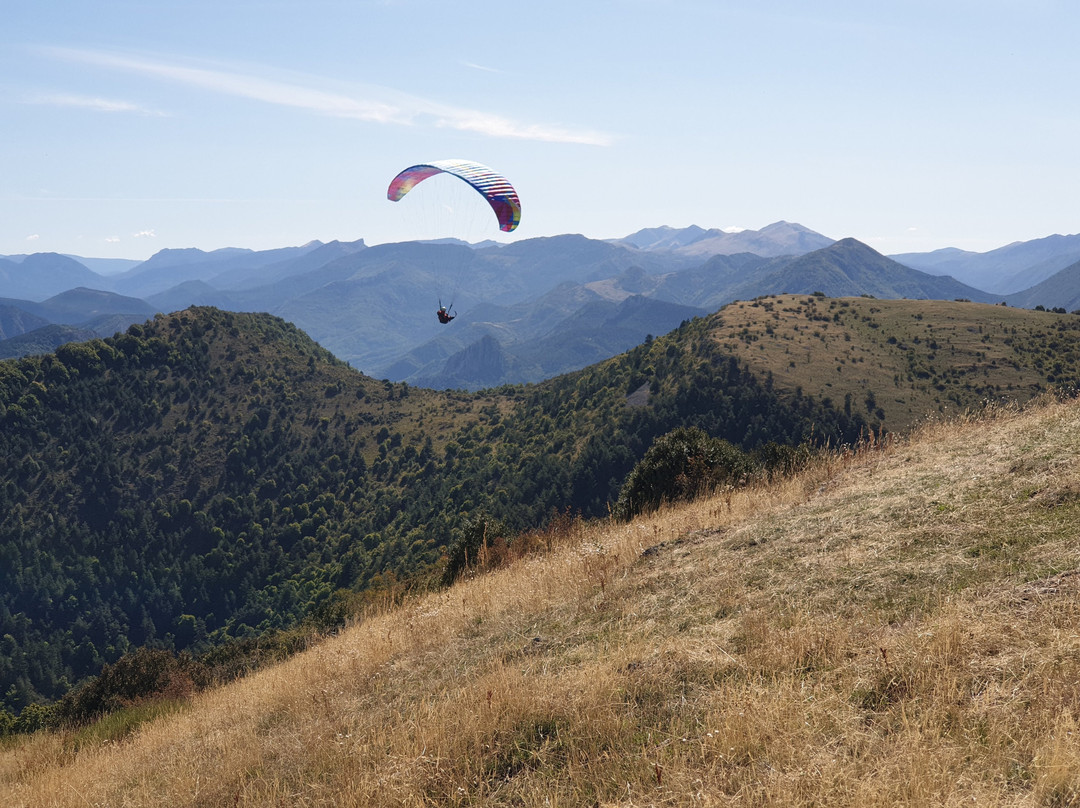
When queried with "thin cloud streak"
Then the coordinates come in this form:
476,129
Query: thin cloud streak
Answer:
46,198
403,109
94,103
484,68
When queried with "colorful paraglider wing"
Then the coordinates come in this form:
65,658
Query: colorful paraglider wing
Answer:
495,188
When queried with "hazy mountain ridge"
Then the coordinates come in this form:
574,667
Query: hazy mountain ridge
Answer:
44,339
83,302
168,268
564,330
777,239
43,275
665,237
16,319
850,268
1006,270
1060,290
372,306
34,327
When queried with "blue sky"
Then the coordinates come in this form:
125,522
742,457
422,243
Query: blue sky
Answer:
130,127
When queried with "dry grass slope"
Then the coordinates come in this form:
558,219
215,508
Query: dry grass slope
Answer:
915,356
894,627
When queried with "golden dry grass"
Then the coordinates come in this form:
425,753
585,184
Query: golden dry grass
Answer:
896,626
915,356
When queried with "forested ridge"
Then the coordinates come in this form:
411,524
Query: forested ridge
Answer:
210,476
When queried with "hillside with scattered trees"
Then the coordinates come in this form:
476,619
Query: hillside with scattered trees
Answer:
210,478
892,624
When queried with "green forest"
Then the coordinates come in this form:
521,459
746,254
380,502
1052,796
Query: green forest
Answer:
210,478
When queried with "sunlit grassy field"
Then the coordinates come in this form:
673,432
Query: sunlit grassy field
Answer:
896,625
911,356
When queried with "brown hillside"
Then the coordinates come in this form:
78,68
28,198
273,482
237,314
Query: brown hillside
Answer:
896,626
915,356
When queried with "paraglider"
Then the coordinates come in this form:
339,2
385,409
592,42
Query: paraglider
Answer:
494,188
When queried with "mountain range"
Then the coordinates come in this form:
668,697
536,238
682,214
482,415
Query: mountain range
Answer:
777,239
1007,270
528,310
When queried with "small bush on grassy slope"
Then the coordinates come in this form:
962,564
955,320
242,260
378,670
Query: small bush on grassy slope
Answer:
479,536
148,674
679,466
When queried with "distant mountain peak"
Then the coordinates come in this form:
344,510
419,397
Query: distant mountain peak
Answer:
664,237
848,243
784,227
480,364
773,240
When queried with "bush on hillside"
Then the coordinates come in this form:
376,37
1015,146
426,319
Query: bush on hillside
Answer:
780,459
147,674
32,718
480,536
680,465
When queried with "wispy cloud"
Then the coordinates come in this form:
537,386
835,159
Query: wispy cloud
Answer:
484,68
373,104
33,237
497,126
94,103
145,234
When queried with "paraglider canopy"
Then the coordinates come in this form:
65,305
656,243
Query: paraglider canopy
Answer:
495,188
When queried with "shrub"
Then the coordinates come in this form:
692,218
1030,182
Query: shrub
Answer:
680,465
34,717
780,459
147,674
480,535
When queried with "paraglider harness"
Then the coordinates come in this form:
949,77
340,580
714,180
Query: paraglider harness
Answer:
444,314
